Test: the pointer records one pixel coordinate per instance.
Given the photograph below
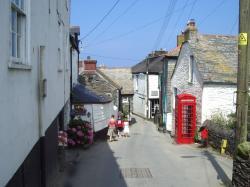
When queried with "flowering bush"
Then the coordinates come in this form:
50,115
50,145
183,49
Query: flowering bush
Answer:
62,138
80,133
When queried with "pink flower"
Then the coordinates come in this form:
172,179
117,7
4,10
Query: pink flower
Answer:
73,129
80,134
71,142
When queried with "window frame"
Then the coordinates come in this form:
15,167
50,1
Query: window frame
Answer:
18,59
136,82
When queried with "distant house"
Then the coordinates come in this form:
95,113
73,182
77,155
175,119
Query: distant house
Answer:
103,89
165,88
123,78
96,109
207,69
146,84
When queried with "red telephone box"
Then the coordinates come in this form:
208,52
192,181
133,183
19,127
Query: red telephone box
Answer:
185,118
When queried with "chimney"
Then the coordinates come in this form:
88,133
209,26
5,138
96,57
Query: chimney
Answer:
191,30
180,39
89,64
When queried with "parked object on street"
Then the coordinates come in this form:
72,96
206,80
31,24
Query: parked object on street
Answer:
112,128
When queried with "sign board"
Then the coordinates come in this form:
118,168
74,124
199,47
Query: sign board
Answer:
243,39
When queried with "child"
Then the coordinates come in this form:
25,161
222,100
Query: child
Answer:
111,130
126,129
119,126
204,136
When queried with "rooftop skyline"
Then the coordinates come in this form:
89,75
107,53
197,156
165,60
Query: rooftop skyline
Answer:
121,33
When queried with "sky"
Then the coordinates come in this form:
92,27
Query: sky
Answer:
121,33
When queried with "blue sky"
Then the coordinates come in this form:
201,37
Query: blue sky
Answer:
127,35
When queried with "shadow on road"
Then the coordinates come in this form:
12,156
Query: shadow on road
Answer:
95,167
221,174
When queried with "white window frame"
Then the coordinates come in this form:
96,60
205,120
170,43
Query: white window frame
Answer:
18,31
136,82
191,69
125,100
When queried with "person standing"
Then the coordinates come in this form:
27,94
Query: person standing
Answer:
204,136
111,129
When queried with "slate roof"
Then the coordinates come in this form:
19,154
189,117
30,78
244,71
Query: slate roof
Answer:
174,52
155,65
81,94
97,84
121,76
216,57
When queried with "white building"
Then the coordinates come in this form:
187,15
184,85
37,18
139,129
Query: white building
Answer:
207,69
146,85
96,97
35,86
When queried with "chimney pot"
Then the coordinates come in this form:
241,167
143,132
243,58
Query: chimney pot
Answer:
191,30
90,64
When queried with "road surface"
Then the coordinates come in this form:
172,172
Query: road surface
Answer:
147,158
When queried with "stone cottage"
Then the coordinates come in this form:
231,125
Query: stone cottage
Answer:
207,69
122,77
99,85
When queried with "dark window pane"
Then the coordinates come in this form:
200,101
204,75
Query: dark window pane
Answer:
13,20
13,44
18,46
19,24
22,4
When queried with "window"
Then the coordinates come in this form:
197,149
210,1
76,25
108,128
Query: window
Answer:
18,31
175,93
136,82
191,69
125,100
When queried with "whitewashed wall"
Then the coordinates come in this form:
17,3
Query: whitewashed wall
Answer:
218,98
74,66
140,95
100,115
180,81
153,84
19,84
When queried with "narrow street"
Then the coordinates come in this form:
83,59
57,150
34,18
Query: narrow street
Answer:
146,158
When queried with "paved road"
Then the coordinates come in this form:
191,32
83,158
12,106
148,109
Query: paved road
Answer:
147,158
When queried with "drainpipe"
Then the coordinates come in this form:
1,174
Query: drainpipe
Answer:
147,104
70,110
41,88
165,93
78,53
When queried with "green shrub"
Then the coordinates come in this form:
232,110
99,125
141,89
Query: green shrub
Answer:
243,150
221,120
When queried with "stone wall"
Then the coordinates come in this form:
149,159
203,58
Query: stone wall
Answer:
215,135
241,172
